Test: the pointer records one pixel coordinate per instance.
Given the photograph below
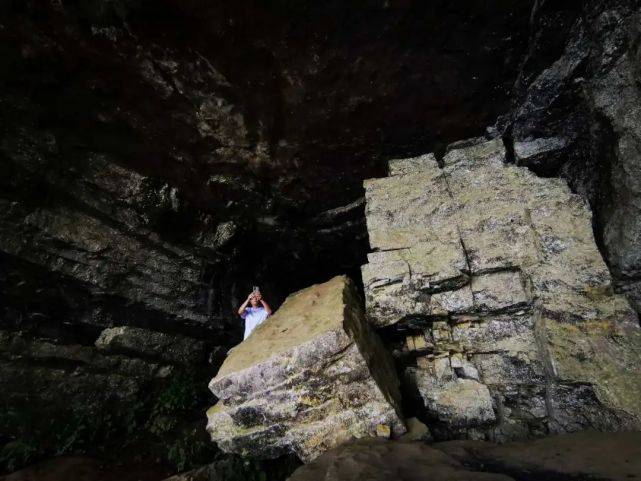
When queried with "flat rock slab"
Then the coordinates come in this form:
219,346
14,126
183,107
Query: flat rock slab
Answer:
312,376
579,456
136,341
379,460
584,455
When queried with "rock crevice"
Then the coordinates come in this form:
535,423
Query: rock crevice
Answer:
522,334
311,377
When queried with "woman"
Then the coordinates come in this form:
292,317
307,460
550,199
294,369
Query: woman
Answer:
254,315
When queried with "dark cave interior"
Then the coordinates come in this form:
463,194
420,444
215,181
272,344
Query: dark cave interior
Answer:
158,158
133,81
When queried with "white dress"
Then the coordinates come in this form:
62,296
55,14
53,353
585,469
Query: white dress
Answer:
253,317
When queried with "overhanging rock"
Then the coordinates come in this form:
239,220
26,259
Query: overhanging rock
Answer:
495,277
309,378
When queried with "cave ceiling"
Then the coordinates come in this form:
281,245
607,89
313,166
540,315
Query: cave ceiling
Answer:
265,114
283,105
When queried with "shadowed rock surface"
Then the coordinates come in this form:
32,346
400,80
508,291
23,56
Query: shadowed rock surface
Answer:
584,456
158,158
81,468
307,379
385,460
577,115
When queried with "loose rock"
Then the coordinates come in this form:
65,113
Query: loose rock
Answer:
309,378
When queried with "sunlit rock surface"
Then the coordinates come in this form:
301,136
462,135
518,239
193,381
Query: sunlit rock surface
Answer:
494,275
309,378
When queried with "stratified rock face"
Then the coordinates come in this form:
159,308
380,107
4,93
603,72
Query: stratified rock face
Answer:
578,93
80,267
170,348
309,378
495,276
100,238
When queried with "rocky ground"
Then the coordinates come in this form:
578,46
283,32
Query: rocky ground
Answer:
80,468
584,456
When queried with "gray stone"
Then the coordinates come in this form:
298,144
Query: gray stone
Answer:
415,164
458,402
102,257
528,151
416,431
499,290
577,114
309,378
503,269
475,150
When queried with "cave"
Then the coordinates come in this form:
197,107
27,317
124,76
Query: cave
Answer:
158,159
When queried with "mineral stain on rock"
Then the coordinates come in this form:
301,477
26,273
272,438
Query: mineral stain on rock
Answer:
529,339
309,378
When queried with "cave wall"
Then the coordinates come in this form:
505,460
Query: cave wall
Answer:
159,158
239,120
579,87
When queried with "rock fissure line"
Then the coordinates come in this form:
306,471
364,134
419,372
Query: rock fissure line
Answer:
507,352
528,245
334,380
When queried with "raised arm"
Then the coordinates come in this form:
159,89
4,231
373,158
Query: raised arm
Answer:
242,308
266,306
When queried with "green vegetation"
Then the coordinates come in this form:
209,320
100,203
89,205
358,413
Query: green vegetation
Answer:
87,426
167,421
177,420
17,454
181,394
77,428
189,451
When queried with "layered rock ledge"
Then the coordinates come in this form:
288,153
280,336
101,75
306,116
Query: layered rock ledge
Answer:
494,277
309,378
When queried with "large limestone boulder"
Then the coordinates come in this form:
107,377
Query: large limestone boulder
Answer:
494,275
309,378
